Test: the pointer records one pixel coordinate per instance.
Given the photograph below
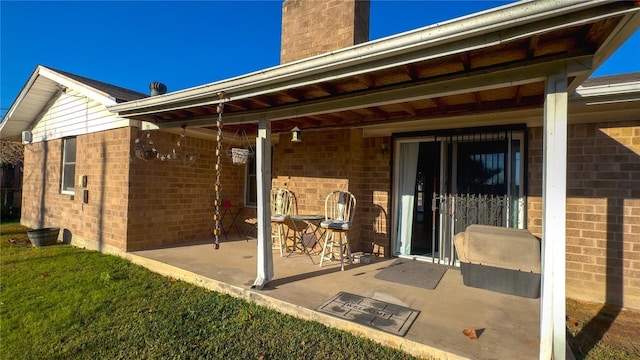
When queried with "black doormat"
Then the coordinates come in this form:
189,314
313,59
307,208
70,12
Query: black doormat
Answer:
380,315
420,274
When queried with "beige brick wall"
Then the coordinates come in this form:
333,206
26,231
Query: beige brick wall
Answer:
133,204
603,210
100,223
311,27
338,160
170,204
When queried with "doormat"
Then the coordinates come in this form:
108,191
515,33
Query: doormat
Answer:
420,274
380,315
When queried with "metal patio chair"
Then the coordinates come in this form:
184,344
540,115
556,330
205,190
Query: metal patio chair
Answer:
339,210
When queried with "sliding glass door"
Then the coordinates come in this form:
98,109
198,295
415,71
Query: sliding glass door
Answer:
445,183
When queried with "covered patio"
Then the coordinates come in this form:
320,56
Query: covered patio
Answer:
486,69
508,326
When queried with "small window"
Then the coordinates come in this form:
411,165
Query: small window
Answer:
68,166
251,185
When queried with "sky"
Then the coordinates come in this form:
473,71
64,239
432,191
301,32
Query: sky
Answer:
185,44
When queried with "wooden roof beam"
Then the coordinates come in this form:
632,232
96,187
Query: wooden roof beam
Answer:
439,104
466,62
239,105
411,72
408,108
533,44
328,88
379,112
477,80
518,96
366,80
295,94
478,100
262,103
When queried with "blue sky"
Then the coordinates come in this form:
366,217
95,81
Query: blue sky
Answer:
186,44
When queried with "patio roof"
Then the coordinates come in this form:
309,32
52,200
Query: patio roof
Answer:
489,61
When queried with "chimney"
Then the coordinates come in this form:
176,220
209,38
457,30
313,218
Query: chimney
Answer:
312,27
157,88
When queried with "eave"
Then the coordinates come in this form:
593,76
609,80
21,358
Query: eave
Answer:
495,59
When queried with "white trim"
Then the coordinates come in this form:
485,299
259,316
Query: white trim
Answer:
494,26
554,204
63,174
263,170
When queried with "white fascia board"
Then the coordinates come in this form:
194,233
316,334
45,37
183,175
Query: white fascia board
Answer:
25,89
81,87
624,30
607,94
608,89
491,25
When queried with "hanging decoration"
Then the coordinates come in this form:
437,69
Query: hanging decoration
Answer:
180,153
145,149
239,149
217,231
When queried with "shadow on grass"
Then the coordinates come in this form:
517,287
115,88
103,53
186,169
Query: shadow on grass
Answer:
590,335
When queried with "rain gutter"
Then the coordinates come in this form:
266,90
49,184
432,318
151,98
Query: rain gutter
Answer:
487,28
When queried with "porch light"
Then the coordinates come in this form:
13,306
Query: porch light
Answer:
295,135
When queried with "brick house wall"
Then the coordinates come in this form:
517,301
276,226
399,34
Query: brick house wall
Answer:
338,160
133,204
603,210
315,27
170,204
100,223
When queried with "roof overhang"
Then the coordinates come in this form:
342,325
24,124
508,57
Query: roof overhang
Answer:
491,60
43,87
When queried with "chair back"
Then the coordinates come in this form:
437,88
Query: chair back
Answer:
340,205
283,202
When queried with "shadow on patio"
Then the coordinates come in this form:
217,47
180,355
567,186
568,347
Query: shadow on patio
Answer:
509,324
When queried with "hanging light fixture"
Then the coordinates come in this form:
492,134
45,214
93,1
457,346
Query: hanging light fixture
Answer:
295,135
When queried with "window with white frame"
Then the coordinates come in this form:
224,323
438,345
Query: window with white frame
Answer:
68,166
251,185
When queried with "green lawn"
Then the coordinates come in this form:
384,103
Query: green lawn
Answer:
61,302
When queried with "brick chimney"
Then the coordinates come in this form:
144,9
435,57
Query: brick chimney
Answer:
312,27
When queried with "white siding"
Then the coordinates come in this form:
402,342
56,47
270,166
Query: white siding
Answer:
74,114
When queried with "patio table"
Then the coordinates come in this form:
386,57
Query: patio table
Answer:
307,231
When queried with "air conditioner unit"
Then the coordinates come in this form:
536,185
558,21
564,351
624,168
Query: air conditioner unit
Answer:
27,137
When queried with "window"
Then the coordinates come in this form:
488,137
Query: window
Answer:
251,185
68,166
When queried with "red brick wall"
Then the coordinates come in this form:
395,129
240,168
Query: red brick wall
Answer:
603,210
311,27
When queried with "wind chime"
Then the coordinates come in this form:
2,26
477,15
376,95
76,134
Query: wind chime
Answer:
218,188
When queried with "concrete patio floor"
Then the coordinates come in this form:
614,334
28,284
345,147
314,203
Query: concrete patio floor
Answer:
509,324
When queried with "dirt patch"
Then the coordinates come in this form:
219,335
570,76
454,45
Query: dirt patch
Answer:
596,330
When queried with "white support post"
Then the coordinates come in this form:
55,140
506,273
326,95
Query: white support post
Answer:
554,203
263,174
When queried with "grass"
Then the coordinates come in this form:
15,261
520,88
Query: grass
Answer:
61,302
597,331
